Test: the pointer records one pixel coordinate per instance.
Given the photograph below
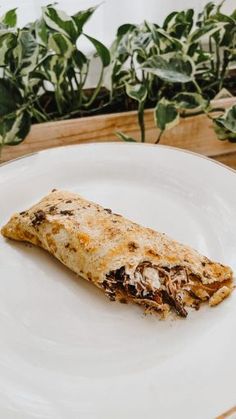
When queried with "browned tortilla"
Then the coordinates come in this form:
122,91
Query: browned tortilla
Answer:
127,261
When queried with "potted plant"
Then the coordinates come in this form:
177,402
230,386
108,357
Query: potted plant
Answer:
159,77
44,72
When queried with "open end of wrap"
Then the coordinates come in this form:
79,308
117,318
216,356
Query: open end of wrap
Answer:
161,288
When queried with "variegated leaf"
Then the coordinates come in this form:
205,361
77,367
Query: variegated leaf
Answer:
230,119
61,45
60,22
41,32
186,100
82,17
10,97
137,92
55,67
7,42
14,128
166,115
208,30
174,70
102,51
26,52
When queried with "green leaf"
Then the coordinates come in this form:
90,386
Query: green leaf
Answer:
61,45
82,17
201,56
41,31
222,133
192,48
166,115
227,122
220,17
14,128
169,20
187,100
205,14
208,30
124,137
10,97
137,92
7,43
233,15
225,125
55,68
121,47
208,9
189,15
79,59
60,22
10,18
165,36
36,81
26,52
120,77
140,43
123,29
102,51
179,24
175,70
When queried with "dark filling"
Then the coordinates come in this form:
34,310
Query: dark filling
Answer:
172,282
179,308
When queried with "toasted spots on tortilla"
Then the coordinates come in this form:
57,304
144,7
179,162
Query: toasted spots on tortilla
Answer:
56,228
51,243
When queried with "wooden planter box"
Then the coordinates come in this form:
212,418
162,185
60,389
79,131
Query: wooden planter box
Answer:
193,133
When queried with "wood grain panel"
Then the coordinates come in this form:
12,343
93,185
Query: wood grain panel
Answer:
192,133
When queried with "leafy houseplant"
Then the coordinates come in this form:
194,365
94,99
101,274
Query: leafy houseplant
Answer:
170,68
43,71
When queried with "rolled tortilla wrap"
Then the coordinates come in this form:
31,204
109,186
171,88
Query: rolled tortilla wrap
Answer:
127,261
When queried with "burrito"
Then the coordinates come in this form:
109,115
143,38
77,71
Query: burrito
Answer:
128,262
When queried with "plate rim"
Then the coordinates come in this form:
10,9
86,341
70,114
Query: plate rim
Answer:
49,156
181,150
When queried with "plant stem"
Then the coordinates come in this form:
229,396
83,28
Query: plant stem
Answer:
208,86
141,120
83,81
211,51
57,97
78,85
42,111
39,115
71,87
224,68
132,63
159,137
217,61
197,87
80,112
96,91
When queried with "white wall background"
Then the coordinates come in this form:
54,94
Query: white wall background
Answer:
111,13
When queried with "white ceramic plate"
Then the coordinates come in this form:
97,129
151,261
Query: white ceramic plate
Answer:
66,352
